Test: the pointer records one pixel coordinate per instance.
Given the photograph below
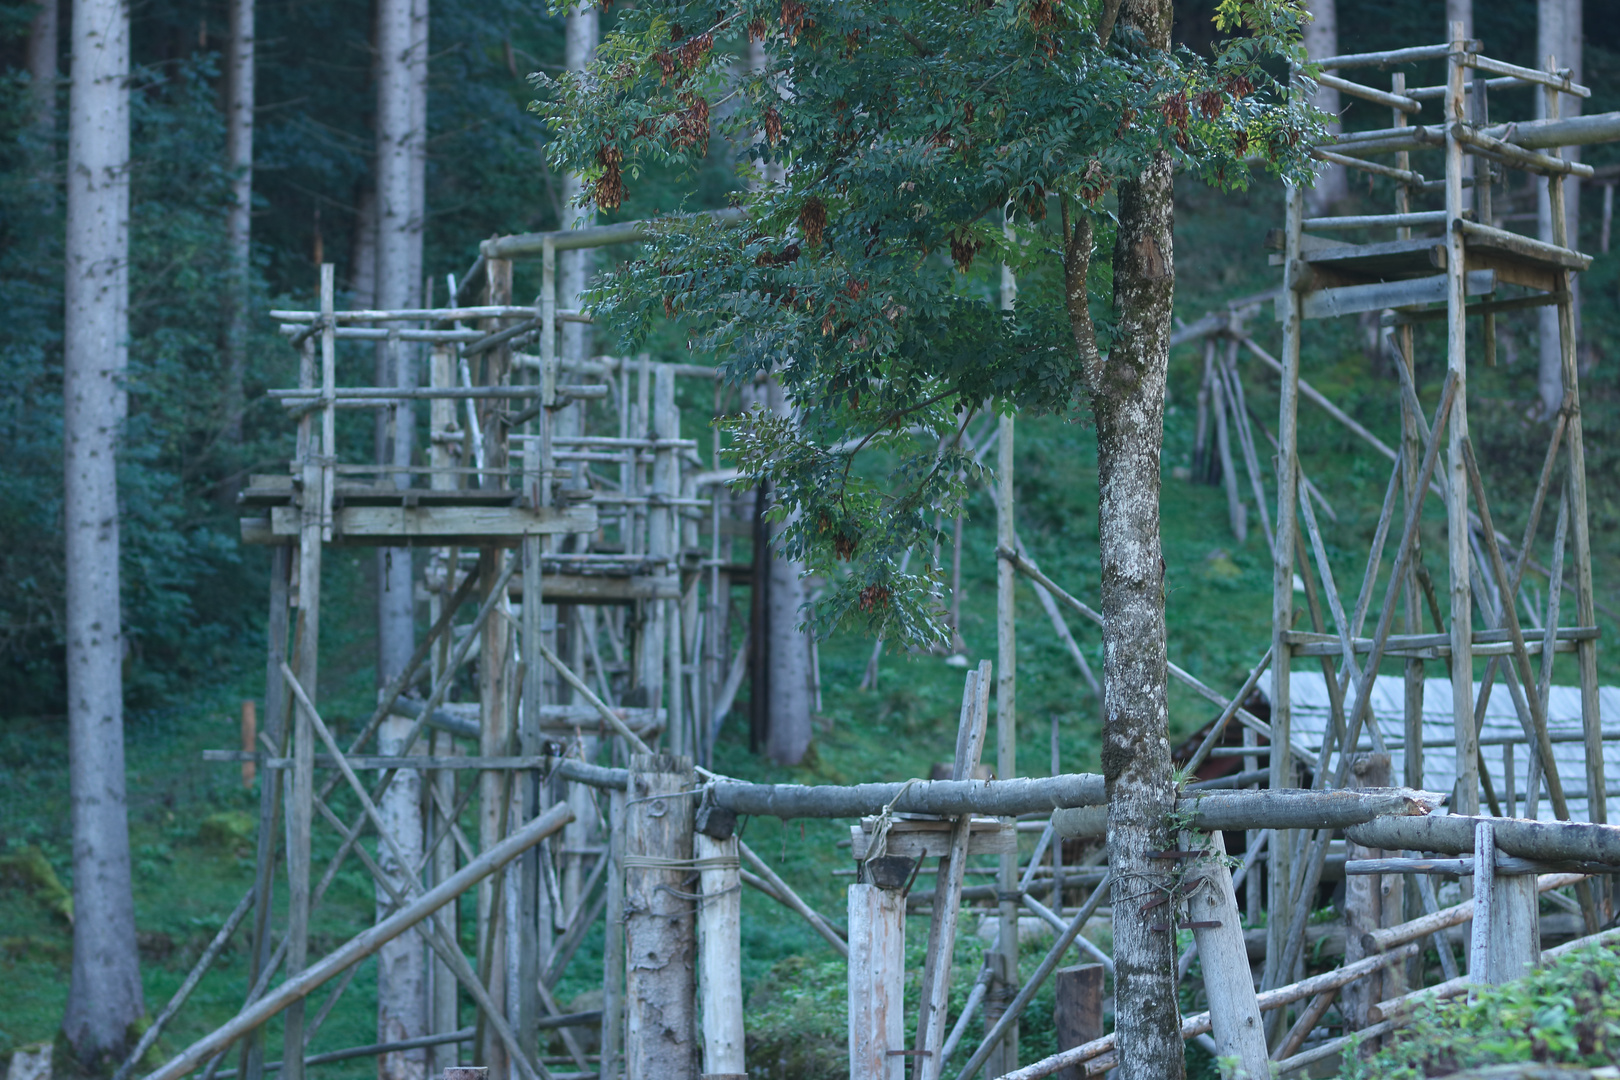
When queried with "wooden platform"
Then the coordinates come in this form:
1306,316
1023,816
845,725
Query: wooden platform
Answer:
1344,278
373,515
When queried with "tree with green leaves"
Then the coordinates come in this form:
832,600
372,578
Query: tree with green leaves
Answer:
923,145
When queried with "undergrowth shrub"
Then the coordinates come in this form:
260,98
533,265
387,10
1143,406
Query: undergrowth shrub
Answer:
1567,1013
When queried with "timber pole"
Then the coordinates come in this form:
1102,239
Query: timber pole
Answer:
659,926
362,945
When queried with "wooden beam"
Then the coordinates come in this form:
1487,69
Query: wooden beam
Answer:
362,945
440,526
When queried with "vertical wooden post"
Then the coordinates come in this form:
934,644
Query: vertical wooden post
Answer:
1005,963
1237,514
934,995
720,957
314,524
1580,536
275,730
1282,586
533,929
1479,947
1465,799
1077,1011
1234,1010
658,924
494,708
613,941
443,993
1363,905
249,731
1515,934
877,982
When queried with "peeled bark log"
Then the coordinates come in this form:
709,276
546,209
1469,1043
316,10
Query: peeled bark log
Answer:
659,926
1553,841
104,994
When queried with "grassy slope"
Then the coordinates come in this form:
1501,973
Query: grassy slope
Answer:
1219,615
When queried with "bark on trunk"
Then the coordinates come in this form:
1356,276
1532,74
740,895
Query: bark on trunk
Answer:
1127,401
1321,36
401,130
401,139
104,995
42,46
401,974
574,267
789,694
238,223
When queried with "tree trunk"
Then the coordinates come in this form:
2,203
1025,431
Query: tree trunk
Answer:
574,267
1321,35
790,695
401,972
238,224
104,995
1558,35
401,139
42,48
1127,401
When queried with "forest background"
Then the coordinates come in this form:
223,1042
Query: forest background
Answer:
194,598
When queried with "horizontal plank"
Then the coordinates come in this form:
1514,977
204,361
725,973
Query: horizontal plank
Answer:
1512,243
1352,299
989,837
440,525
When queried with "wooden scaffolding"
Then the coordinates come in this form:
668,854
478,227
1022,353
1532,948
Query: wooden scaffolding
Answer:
567,483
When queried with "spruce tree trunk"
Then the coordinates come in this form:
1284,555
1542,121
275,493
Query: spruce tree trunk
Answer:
104,994
401,124
402,43
42,45
1321,35
1127,400
790,698
239,160
574,267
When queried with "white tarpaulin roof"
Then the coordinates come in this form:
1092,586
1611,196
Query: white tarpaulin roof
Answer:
1308,693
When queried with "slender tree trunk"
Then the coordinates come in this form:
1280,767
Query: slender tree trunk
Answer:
1127,400
402,44
104,995
1321,35
1559,34
574,267
239,160
363,254
789,696
42,46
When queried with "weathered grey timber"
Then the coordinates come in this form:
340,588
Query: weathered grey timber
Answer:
877,982
1199,1023
530,245
1574,841
1001,798
659,929
364,944
1279,808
